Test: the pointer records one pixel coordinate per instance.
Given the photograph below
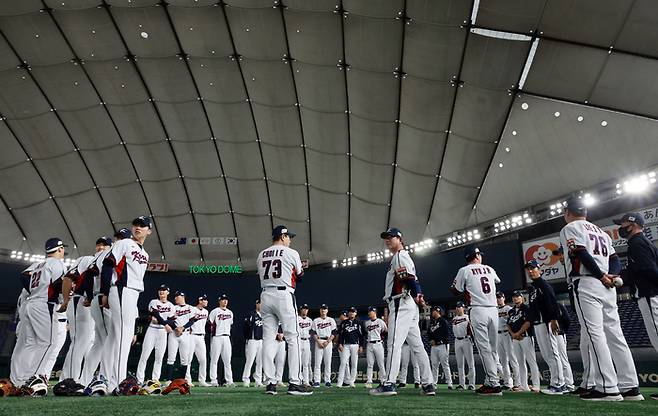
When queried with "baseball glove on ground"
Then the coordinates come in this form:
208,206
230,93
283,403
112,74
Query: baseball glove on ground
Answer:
179,384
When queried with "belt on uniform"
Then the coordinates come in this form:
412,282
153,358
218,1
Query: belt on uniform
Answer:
62,319
275,287
156,327
199,335
460,338
324,337
502,332
223,335
304,339
375,342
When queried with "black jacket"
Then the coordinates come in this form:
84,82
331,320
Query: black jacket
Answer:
253,326
543,303
518,316
642,270
351,332
438,331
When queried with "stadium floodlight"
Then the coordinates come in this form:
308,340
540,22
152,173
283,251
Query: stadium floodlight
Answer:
589,200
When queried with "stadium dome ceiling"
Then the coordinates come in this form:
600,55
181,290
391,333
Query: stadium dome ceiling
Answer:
336,118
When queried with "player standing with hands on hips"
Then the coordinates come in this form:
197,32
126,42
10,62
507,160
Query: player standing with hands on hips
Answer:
478,284
642,272
280,269
592,265
403,295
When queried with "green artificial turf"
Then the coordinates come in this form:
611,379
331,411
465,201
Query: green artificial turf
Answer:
332,401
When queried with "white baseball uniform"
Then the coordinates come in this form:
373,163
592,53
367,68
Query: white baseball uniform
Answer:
155,338
403,321
375,348
279,267
404,365
16,373
478,283
221,321
324,331
60,322
182,344
596,306
506,357
305,345
101,320
127,261
463,349
81,325
198,343
40,329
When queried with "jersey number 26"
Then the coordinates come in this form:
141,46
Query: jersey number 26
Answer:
275,266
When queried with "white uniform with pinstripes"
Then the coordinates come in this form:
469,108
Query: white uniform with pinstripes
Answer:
305,345
278,268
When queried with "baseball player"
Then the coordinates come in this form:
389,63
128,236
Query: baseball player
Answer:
198,346
405,358
461,328
179,341
81,325
438,333
478,283
504,348
39,332
253,335
305,324
592,265
375,330
280,269
280,356
350,345
101,318
160,310
324,329
122,280
545,309
343,363
21,340
564,323
221,321
642,272
519,326
403,295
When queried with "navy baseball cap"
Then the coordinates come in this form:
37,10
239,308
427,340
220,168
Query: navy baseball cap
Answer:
203,297
471,251
304,306
634,217
344,312
500,294
280,230
352,309
142,221
372,309
532,264
437,308
107,241
179,293
163,287
576,205
517,293
257,301
460,305
123,233
324,306
52,244
391,232
223,297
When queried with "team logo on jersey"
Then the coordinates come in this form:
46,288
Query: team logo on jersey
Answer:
182,312
457,321
303,324
224,316
139,257
372,327
515,317
571,243
323,325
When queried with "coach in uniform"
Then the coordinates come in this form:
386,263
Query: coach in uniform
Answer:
519,325
461,327
506,357
375,330
438,333
350,344
253,335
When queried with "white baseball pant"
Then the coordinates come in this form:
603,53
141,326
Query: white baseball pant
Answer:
507,360
549,352
253,353
484,321
349,356
524,351
597,307
280,360
322,355
564,359
220,347
375,352
179,346
404,365
155,338
123,312
403,326
305,346
649,310
280,307
59,324
198,348
464,351
81,332
586,355
38,339
101,318
440,357
19,374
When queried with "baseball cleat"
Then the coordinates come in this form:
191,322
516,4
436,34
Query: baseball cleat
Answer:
654,396
214,384
428,390
230,385
260,385
633,395
37,385
368,385
534,389
416,385
460,387
449,386
246,384
471,387
203,383
553,390
297,390
316,384
270,389
384,390
597,396
516,389
489,391
327,384
402,385
352,385
280,384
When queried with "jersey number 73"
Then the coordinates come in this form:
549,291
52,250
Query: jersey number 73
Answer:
274,266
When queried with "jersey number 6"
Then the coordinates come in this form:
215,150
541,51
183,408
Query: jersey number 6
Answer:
484,281
276,273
